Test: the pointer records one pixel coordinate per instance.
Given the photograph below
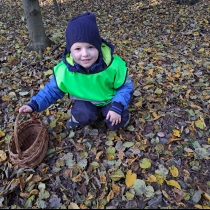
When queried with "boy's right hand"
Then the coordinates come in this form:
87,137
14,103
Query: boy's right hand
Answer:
25,109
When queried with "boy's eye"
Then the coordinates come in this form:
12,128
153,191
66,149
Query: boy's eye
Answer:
91,47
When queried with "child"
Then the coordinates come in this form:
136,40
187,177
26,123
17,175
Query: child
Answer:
95,79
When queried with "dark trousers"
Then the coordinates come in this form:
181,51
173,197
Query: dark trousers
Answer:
85,112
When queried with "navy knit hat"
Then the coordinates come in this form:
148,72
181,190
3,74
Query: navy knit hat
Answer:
83,28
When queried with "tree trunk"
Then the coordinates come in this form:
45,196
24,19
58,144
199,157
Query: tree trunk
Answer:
187,2
56,7
38,39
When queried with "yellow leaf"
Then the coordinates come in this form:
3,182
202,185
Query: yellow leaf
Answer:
48,72
118,42
198,206
89,196
176,75
110,156
166,195
206,21
116,188
154,114
47,111
200,124
196,33
29,178
201,118
102,178
3,156
160,178
151,178
174,171
6,98
138,104
110,196
147,86
174,139
2,134
206,196
98,155
194,106
201,50
130,178
82,206
73,206
34,192
176,133
24,195
159,67
191,126
140,64
188,94
150,71
173,183
77,178
53,123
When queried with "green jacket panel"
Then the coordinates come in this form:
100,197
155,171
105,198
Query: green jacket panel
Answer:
98,87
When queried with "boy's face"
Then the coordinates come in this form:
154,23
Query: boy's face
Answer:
84,54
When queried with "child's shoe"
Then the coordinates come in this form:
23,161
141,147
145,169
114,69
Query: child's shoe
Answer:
72,125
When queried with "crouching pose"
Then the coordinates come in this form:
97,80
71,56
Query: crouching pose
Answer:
95,79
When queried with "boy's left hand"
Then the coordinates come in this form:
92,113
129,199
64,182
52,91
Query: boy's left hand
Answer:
113,117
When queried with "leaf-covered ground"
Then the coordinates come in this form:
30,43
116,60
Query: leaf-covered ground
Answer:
162,159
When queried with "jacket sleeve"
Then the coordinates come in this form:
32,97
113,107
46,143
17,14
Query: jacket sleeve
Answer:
46,96
122,98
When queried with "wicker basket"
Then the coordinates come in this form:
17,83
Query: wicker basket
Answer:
29,142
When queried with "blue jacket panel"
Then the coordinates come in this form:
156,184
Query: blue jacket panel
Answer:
47,96
124,93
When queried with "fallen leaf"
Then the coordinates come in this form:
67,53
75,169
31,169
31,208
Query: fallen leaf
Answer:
145,163
130,178
173,183
174,171
3,156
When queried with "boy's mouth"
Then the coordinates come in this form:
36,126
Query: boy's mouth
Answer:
86,60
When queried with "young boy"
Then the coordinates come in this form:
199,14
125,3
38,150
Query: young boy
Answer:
95,79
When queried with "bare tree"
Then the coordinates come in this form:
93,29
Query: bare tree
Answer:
38,38
55,3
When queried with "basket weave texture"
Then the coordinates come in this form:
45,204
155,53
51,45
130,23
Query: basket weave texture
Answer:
29,142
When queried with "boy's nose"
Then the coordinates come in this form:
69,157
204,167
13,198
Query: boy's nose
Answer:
85,52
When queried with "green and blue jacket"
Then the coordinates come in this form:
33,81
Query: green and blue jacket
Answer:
106,82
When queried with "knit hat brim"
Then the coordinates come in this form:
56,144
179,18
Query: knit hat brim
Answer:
83,28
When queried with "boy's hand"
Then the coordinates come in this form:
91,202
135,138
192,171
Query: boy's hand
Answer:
25,109
113,117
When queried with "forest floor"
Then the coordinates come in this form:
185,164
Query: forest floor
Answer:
161,161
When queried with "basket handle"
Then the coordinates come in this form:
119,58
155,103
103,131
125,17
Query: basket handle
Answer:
19,152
